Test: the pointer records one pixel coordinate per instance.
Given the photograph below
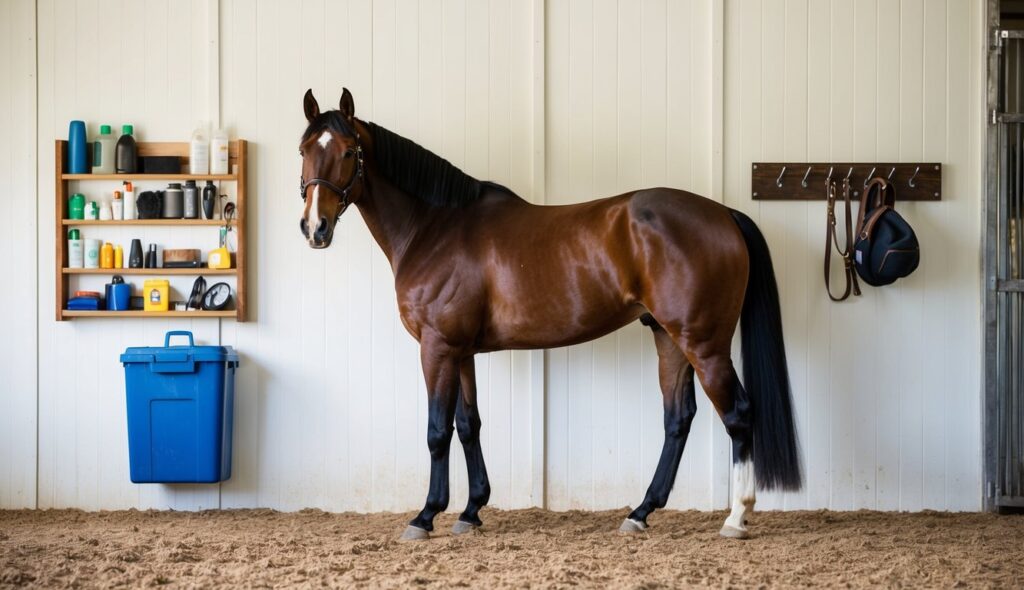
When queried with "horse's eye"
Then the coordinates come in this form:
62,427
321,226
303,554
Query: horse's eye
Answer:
349,153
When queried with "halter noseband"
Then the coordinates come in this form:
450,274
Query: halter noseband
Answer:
342,192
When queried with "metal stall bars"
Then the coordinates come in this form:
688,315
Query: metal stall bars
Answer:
1004,274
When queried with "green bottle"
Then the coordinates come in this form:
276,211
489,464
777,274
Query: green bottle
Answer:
76,206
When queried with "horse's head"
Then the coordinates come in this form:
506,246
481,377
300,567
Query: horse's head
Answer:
332,167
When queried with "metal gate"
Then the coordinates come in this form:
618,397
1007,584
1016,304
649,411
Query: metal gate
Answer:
1004,270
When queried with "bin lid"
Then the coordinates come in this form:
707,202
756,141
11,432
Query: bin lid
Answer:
179,353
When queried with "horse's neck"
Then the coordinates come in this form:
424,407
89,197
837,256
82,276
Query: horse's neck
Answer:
392,216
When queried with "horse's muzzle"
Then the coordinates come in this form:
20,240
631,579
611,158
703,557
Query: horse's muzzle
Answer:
321,236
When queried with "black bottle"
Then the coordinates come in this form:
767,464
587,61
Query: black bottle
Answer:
151,256
135,254
209,199
125,152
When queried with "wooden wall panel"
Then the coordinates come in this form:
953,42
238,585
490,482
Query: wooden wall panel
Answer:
18,347
83,458
869,80
627,108
331,406
338,418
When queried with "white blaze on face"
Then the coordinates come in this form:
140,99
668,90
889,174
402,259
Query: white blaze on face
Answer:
313,218
742,494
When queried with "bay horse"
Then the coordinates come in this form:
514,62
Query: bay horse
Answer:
479,269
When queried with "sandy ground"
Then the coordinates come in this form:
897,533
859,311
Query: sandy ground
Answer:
521,548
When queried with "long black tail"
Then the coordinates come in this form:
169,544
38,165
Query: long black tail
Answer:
765,374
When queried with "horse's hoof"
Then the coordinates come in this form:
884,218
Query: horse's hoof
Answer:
632,526
731,532
461,527
415,533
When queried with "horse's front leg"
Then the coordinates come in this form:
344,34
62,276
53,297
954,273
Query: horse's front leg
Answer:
441,369
467,421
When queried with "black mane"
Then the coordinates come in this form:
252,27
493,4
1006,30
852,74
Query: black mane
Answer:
410,166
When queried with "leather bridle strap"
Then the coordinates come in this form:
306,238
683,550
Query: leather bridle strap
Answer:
831,239
343,193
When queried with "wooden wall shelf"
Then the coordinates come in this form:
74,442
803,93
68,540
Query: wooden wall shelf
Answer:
67,313
196,177
151,272
192,222
237,161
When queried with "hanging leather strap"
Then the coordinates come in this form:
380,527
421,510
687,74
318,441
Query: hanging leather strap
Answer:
831,239
875,201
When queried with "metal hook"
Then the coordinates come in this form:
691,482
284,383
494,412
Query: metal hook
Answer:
913,176
891,172
868,177
849,174
778,181
803,182
828,178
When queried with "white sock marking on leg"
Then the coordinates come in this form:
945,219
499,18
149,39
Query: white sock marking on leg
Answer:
743,495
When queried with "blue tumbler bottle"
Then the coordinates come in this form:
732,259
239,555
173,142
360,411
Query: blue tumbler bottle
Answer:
77,149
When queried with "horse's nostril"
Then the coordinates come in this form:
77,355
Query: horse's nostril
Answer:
304,227
321,227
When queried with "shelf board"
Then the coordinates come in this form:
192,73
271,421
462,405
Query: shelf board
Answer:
229,313
208,222
153,272
196,177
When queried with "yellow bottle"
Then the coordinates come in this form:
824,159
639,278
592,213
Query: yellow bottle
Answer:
107,256
118,257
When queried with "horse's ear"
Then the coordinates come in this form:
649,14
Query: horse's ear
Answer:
348,108
310,106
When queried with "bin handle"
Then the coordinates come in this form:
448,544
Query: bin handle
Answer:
167,338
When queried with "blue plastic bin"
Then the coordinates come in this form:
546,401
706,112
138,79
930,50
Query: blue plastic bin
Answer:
180,411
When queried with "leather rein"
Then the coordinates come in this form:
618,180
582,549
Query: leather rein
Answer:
832,239
343,193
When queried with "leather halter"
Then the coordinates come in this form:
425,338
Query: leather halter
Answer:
343,193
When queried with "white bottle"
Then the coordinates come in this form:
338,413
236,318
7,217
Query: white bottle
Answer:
103,152
199,152
117,206
106,212
129,201
76,250
219,152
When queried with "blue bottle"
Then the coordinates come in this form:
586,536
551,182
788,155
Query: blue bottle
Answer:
78,149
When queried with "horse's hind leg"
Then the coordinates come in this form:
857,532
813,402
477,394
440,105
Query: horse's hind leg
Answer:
719,379
467,422
676,376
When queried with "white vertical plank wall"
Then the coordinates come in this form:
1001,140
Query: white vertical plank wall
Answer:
886,386
562,100
629,102
18,348
335,406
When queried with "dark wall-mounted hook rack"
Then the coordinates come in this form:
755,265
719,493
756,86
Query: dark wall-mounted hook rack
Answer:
805,181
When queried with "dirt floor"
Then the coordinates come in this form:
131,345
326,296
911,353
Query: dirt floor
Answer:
521,548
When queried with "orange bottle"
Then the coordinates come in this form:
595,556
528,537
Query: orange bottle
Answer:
107,256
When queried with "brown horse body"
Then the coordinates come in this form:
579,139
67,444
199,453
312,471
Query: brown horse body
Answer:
479,269
575,273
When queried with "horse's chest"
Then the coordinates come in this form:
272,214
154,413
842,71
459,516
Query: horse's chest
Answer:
448,314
